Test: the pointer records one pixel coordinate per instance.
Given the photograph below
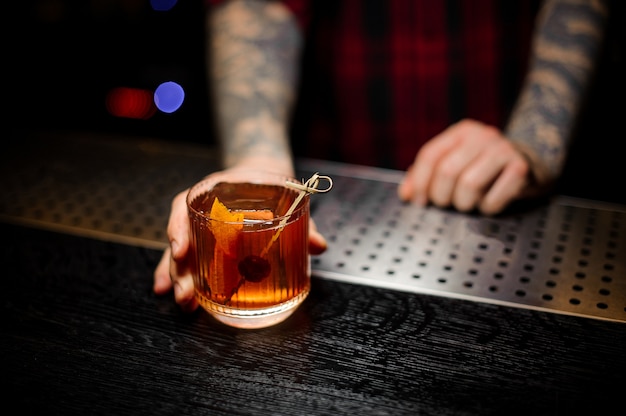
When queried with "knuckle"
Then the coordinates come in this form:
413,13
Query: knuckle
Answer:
448,169
471,183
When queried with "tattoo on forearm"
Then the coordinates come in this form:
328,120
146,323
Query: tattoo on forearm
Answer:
254,47
567,42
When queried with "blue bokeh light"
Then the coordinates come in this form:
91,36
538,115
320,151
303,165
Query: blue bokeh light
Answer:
169,96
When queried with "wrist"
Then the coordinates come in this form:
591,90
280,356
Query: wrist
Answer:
279,165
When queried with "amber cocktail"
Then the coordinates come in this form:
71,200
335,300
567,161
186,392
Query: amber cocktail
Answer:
251,265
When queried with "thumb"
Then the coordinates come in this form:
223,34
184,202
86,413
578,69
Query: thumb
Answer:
317,242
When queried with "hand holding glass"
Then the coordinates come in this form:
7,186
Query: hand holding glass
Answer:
249,236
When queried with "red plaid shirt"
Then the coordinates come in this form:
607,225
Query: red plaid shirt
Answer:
380,78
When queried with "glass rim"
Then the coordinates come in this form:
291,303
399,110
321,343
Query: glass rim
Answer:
246,176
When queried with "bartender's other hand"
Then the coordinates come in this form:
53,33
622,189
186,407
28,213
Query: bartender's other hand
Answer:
173,269
470,165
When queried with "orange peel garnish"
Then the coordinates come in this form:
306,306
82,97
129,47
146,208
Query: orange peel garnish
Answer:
225,226
261,215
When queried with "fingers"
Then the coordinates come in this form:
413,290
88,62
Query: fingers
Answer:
453,174
172,274
173,270
178,227
182,281
317,242
162,280
509,186
494,179
417,181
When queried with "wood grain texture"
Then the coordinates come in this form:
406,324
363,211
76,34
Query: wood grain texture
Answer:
82,333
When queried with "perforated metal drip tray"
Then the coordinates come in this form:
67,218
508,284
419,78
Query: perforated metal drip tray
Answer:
566,256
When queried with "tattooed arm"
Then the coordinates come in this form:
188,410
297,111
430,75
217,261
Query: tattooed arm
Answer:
567,42
254,49
471,165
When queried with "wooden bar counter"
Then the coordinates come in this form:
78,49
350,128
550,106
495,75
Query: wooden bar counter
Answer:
83,333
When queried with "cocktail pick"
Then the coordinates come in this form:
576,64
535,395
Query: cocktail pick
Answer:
255,268
307,187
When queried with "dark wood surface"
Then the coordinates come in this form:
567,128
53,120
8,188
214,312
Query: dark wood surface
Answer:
82,333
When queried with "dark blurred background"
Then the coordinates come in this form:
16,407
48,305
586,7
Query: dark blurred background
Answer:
65,57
